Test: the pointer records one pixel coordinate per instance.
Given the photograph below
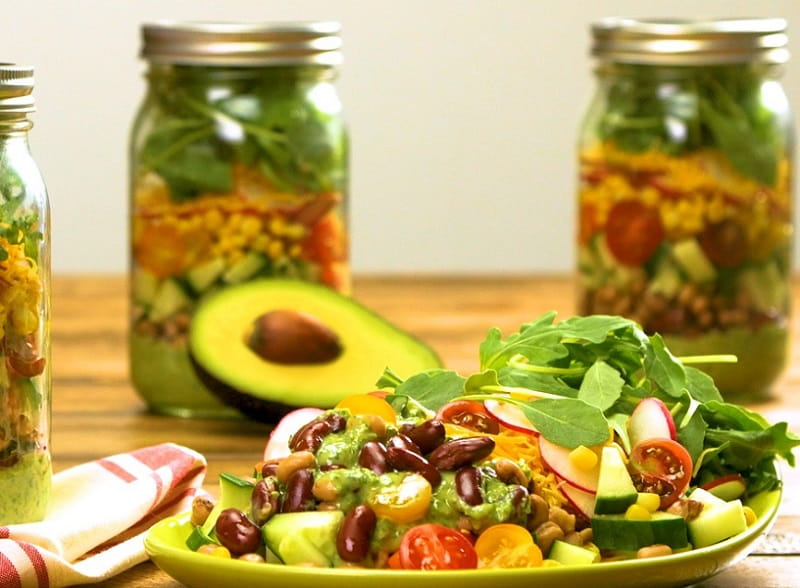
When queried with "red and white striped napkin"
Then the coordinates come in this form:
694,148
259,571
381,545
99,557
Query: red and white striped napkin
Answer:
98,518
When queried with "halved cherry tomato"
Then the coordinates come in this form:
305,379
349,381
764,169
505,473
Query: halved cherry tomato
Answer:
368,404
665,459
435,547
469,414
633,231
403,502
507,546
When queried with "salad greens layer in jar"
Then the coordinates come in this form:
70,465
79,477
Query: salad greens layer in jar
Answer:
685,216
238,173
577,442
25,466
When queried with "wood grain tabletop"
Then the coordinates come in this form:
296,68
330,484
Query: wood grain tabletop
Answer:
96,411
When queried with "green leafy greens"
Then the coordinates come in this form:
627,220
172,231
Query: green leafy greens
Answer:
682,109
273,121
587,374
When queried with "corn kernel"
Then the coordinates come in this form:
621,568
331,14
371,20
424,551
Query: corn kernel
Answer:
583,458
750,516
637,512
649,500
551,563
275,249
251,226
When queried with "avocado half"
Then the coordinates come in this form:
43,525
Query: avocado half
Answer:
223,355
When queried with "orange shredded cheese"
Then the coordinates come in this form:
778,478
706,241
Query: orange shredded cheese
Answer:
515,446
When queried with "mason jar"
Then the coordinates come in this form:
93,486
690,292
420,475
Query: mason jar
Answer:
25,384
238,171
685,191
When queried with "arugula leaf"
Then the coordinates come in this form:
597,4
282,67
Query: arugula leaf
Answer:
433,388
567,422
601,386
663,369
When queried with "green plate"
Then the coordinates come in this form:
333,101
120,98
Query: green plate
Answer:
165,544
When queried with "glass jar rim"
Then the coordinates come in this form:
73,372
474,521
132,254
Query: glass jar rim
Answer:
242,44
691,42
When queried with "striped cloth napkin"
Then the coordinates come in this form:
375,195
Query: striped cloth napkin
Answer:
99,516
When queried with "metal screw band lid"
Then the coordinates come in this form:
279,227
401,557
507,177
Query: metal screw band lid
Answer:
684,42
242,44
16,88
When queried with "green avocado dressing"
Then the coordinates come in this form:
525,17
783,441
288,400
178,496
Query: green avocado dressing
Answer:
25,489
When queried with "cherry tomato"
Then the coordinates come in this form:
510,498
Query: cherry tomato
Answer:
633,231
368,404
665,459
469,414
326,242
725,243
435,547
403,502
507,546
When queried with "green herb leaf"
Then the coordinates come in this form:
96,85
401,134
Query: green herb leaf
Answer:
433,388
567,422
601,386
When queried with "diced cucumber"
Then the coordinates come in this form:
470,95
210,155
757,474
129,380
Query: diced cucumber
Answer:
717,522
234,492
168,299
667,279
768,290
615,532
197,539
572,555
204,275
304,537
245,268
615,489
144,287
693,261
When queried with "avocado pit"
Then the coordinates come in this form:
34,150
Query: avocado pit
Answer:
291,337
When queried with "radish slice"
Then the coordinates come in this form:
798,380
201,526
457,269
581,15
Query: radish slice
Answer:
557,459
583,501
651,419
727,487
278,443
510,416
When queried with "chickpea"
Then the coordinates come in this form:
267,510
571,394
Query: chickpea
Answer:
563,519
546,534
657,550
201,508
291,463
540,511
325,490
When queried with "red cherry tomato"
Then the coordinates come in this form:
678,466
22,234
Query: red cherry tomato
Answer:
435,547
725,243
469,414
633,231
661,459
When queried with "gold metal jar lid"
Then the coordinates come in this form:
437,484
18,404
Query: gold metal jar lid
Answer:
16,88
687,42
242,44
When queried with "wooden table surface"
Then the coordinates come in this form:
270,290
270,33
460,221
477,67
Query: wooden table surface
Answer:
93,399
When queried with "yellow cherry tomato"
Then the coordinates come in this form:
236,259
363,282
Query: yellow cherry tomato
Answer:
507,546
362,404
403,502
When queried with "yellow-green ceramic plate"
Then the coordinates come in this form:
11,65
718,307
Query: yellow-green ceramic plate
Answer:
165,543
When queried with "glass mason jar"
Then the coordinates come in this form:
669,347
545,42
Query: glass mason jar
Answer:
685,191
239,168
25,463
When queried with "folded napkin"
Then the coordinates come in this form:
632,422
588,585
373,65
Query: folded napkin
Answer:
98,518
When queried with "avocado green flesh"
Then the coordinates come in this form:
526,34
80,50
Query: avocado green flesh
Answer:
263,389
762,355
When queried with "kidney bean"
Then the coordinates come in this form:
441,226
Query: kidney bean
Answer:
236,532
519,499
269,469
373,457
299,495
309,437
427,435
352,541
403,442
338,422
458,453
264,500
468,485
408,461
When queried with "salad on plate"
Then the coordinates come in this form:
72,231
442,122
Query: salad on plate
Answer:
578,442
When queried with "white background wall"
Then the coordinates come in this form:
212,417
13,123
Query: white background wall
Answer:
463,116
